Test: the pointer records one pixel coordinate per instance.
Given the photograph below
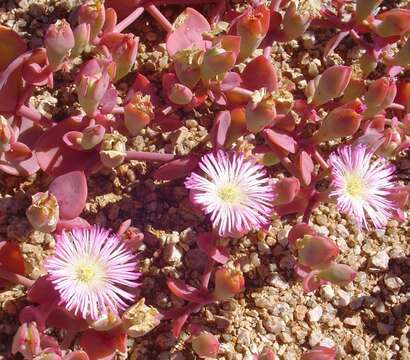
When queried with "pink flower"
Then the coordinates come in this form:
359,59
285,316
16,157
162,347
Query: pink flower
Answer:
235,192
91,269
361,186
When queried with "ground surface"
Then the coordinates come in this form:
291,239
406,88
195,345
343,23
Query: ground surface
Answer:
369,319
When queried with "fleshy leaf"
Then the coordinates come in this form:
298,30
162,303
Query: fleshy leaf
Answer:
71,191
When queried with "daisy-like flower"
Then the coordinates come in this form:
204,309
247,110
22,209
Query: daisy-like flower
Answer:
235,192
91,269
361,185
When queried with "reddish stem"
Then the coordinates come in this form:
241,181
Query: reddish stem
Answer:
206,276
148,156
309,207
158,16
267,51
182,2
16,278
319,158
129,19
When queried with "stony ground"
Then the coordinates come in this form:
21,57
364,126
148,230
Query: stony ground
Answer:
369,319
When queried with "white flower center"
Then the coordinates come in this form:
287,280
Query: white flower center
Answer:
88,272
355,186
230,194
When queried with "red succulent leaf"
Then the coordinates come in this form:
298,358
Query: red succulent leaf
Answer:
298,231
230,81
60,318
100,345
109,100
18,152
187,292
301,270
11,46
168,123
188,30
207,242
71,191
305,167
286,190
55,158
297,206
339,274
280,140
237,127
34,71
68,225
178,323
220,129
11,259
320,353
316,251
43,292
176,169
260,73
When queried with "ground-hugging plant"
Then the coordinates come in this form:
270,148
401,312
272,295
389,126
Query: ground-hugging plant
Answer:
222,61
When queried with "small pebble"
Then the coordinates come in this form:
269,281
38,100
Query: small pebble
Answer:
315,314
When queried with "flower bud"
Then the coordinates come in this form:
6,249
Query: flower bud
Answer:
123,48
330,84
180,94
105,322
92,136
205,345
338,274
187,63
402,58
316,251
26,341
395,22
92,85
58,41
93,13
140,319
340,122
298,17
266,354
113,150
252,27
260,111
380,95
43,213
228,283
391,143
7,136
138,113
365,8
81,39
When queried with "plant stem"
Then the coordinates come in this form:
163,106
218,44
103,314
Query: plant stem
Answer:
118,110
16,278
275,5
148,156
157,15
182,2
206,276
267,51
129,19
319,158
